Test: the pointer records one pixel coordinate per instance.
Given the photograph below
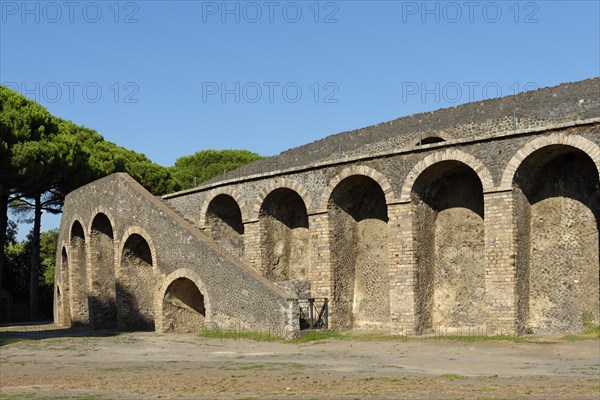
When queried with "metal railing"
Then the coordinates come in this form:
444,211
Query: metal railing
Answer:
314,313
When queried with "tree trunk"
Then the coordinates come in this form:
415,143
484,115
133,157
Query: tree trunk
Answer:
4,193
35,259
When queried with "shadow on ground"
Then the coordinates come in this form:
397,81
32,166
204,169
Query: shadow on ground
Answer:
11,333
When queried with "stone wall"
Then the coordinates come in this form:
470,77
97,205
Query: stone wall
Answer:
460,254
495,227
155,247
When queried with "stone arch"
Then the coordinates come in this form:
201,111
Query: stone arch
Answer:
228,191
372,173
358,241
447,155
182,303
78,274
103,310
284,236
448,228
144,234
136,282
281,183
429,139
575,141
223,221
64,301
556,191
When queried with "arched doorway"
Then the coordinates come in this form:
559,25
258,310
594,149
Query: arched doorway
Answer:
183,307
358,218
78,273
224,223
449,237
103,310
136,288
284,236
557,207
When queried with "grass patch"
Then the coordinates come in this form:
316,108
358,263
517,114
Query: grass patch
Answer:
312,336
404,338
590,332
452,376
238,335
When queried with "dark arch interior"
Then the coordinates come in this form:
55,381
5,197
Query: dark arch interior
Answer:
77,232
225,209
284,236
450,274
431,139
103,310
137,249
183,307
101,224
557,204
186,294
450,184
286,206
360,197
358,215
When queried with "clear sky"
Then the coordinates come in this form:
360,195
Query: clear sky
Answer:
169,78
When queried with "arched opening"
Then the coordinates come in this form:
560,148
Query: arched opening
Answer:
103,309
183,307
78,267
135,291
64,296
449,237
284,236
358,218
557,207
224,223
430,140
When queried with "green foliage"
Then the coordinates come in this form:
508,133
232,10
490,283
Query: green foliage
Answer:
48,245
18,269
209,163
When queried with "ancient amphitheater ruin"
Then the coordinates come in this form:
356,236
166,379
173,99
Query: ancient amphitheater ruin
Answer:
482,215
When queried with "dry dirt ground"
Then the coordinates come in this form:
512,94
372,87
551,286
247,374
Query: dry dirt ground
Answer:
52,363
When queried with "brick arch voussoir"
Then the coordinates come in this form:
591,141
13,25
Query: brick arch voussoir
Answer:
229,191
469,160
363,170
578,142
281,183
86,232
144,234
166,282
102,210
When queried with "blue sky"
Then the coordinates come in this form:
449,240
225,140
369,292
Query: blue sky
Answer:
169,78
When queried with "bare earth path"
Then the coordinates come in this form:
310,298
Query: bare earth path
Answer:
63,364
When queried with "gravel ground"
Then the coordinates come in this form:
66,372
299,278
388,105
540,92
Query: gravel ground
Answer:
47,362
